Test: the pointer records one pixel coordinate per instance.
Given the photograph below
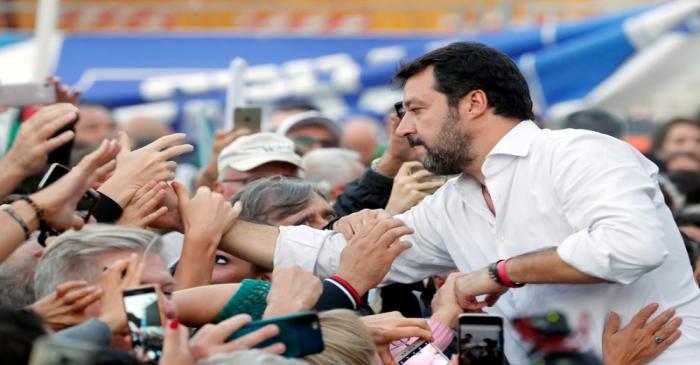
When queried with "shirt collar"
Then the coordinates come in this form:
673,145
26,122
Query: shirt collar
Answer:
517,141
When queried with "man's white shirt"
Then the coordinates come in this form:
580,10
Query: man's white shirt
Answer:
593,197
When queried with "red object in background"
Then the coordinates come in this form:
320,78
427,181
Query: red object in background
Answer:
27,112
641,142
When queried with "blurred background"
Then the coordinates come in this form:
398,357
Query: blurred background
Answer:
170,60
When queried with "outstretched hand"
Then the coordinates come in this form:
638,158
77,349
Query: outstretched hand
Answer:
293,290
135,168
37,138
122,275
368,256
145,207
350,224
205,217
60,199
470,286
641,340
65,307
386,328
211,339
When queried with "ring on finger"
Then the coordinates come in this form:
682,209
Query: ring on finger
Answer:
658,340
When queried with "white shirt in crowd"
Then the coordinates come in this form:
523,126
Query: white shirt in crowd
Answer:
592,196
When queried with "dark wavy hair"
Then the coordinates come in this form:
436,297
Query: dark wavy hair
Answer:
462,67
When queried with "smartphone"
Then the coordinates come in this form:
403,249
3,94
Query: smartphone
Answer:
62,153
247,117
86,205
421,352
300,333
432,178
32,93
480,339
61,351
145,318
55,172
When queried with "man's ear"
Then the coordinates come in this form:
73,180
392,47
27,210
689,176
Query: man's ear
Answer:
474,104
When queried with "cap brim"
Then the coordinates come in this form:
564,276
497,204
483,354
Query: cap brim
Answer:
246,163
324,122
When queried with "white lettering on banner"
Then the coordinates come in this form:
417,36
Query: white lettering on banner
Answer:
338,73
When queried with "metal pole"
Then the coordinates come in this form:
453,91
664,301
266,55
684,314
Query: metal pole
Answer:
44,29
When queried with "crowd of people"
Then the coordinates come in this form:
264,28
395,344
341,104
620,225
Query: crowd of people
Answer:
466,206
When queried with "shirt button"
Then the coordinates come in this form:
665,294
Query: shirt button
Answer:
501,238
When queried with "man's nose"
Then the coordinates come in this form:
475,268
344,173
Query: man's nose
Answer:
406,127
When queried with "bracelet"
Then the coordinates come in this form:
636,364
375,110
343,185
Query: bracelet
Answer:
38,210
45,229
501,270
22,223
347,286
493,273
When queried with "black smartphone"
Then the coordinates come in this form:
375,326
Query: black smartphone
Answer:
61,351
300,333
249,118
480,339
61,154
145,318
421,352
55,172
88,202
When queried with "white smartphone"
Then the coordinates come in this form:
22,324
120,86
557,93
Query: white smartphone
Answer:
31,93
421,352
480,339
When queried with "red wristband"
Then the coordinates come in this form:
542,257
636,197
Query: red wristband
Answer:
501,267
349,287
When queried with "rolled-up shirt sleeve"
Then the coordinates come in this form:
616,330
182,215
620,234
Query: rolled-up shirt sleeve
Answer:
313,250
610,196
319,251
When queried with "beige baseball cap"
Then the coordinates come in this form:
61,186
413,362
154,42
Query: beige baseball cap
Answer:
310,117
249,152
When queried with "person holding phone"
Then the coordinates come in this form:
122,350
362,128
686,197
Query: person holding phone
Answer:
54,206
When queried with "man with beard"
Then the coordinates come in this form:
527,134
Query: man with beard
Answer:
545,208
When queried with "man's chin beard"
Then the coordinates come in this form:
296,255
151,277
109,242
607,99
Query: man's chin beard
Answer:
435,163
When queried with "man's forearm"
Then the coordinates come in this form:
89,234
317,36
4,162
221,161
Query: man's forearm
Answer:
251,242
545,266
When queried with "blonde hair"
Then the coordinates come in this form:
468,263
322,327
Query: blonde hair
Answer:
347,341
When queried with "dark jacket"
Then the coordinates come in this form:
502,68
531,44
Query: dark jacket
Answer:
371,191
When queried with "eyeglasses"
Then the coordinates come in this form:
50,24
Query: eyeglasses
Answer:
242,181
400,110
310,141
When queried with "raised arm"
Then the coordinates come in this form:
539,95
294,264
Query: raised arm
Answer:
252,242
